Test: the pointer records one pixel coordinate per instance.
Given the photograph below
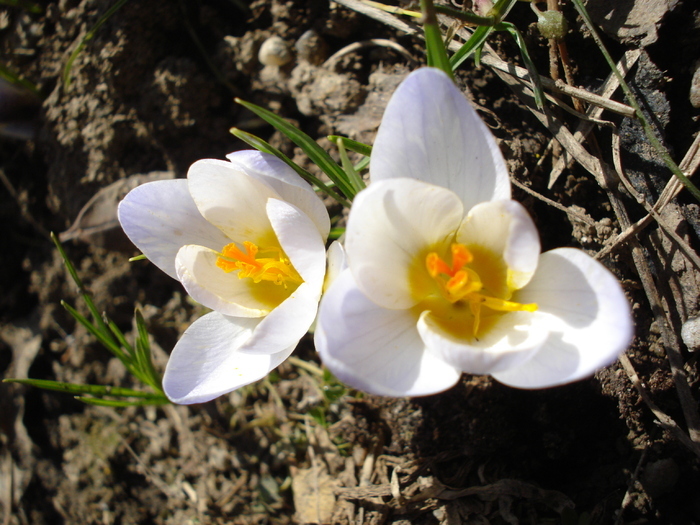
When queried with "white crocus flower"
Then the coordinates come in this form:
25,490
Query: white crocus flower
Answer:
444,271
245,238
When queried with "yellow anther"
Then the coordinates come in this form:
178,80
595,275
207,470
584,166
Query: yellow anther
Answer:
277,269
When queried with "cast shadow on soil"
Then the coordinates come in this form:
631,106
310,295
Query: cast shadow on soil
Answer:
568,439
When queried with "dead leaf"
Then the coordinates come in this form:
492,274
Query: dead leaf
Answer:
99,215
314,497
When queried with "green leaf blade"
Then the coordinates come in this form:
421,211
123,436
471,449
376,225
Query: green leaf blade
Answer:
261,145
317,154
78,389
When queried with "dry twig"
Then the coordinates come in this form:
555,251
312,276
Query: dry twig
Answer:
665,421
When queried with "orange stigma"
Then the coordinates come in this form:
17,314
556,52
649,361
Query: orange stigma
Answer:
459,283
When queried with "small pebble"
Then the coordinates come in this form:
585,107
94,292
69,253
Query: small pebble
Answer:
274,52
660,477
690,333
695,88
312,48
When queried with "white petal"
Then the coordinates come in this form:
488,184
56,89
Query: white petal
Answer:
589,318
337,262
231,199
285,181
161,217
512,340
393,224
206,362
224,292
504,228
375,349
430,132
286,325
299,239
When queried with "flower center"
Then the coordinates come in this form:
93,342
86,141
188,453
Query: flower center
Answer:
462,286
275,267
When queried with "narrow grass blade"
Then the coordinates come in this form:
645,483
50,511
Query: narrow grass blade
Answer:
317,154
529,64
14,78
434,46
121,339
143,351
362,165
336,233
86,297
101,336
466,17
352,145
355,179
475,42
500,9
65,77
117,403
261,145
75,389
204,54
23,4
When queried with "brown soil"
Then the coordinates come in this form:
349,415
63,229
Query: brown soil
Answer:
153,91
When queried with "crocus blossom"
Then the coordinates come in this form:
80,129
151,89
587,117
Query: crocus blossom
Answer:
245,238
444,272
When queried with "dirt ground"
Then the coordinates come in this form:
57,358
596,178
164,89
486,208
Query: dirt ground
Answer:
152,91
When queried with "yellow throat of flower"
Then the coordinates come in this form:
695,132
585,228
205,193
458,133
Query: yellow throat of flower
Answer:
464,291
275,267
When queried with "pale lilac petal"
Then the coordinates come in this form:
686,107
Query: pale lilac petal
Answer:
393,225
206,362
286,325
161,217
231,200
511,341
224,292
286,182
588,315
374,349
506,229
430,132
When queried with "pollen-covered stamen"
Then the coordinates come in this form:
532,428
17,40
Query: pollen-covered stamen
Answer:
277,269
458,283
461,280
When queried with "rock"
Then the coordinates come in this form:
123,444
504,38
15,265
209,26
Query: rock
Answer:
318,91
690,333
631,21
695,88
274,52
660,477
312,48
